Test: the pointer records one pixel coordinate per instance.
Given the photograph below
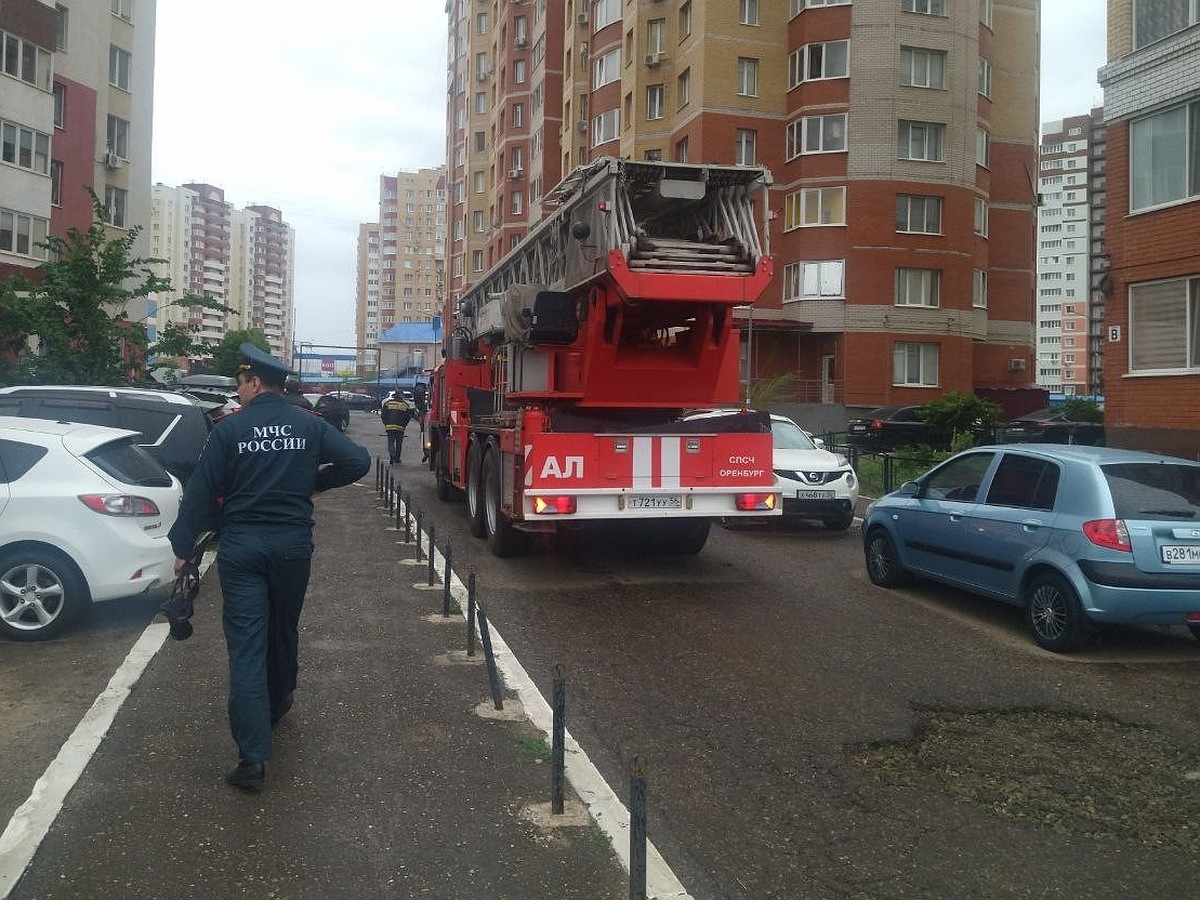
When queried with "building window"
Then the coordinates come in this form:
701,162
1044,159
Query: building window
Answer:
478,182
795,7
984,83
56,170
606,69
605,12
816,134
748,12
123,9
115,205
21,233
983,149
118,137
606,126
685,19
518,116
920,140
683,87
922,68
655,100
1154,20
817,280
476,260
747,77
985,12
1164,156
60,104
519,71
681,150
652,155
812,62
981,217
918,287
120,62
979,288
813,207
918,215
656,36
481,23
22,59
25,147
61,19
481,102
477,224
744,150
927,7
914,363
1164,325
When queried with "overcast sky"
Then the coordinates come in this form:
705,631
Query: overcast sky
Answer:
303,106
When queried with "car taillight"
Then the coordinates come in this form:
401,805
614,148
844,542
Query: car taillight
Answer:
1110,533
119,505
877,424
748,502
553,506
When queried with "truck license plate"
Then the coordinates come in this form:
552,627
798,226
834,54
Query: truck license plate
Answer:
654,501
1181,553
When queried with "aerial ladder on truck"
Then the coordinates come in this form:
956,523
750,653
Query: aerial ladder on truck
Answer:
573,364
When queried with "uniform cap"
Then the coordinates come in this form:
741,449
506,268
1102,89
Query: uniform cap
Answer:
257,360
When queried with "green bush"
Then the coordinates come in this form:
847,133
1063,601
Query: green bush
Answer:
904,465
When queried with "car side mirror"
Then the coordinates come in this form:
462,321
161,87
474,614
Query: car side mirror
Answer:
909,489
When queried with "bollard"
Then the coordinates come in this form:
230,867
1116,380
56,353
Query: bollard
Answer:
397,513
637,830
557,738
446,583
391,495
407,519
432,549
490,659
471,613
420,515
378,477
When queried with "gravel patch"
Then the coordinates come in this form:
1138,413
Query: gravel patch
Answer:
1086,775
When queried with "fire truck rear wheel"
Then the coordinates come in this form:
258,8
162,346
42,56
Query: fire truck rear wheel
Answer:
503,539
474,481
445,490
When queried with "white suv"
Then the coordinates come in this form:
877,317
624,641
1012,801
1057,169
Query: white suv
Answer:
84,515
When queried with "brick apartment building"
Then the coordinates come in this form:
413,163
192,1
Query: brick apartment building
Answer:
1152,112
902,136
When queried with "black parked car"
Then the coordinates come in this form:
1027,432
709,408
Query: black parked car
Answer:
329,408
356,400
173,428
1051,426
893,426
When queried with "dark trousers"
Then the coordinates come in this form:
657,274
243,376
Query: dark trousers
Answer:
395,438
264,574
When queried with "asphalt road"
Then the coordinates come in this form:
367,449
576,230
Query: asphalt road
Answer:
755,681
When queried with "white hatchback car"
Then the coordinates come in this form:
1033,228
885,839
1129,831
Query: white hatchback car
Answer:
84,515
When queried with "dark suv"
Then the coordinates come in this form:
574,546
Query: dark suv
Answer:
1051,426
890,427
173,429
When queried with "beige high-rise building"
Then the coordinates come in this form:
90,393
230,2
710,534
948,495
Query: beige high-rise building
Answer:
244,259
401,257
902,137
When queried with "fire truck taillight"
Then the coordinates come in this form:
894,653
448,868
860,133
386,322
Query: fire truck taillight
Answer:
756,502
553,506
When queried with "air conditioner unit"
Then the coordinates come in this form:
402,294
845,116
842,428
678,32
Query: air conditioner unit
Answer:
581,127
652,60
581,19
1016,365
521,41
514,173
112,161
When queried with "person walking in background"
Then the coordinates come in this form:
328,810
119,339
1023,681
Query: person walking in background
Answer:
421,402
396,413
254,484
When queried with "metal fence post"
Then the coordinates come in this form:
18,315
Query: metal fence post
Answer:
637,830
432,548
420,514
471,613
490,659
557,738
446,582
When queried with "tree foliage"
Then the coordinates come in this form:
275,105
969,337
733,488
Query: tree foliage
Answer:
1080,409
226,356
74,314
959,416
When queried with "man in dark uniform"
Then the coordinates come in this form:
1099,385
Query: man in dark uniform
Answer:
254,483
421,403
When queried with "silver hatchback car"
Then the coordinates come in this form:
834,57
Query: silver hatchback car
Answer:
1078,536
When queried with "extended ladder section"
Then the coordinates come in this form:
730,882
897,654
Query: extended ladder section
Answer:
624,218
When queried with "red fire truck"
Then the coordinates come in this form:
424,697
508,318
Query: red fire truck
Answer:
572,363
